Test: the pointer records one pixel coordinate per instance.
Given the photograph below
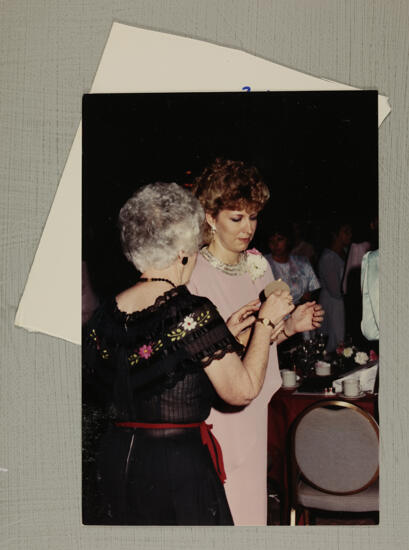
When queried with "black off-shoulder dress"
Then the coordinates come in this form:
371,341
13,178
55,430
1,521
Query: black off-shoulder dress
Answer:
148,367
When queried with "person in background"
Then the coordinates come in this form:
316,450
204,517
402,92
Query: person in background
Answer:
232,194
154,357
330,272
300,247
370,295
295,270
370,306
351,284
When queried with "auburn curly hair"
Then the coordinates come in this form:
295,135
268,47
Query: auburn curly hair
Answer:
230,185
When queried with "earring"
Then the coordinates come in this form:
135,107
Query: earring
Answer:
185,259
213,229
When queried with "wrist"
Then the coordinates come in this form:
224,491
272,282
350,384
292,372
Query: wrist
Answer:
288,328
263,321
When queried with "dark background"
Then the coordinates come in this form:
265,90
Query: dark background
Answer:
317,152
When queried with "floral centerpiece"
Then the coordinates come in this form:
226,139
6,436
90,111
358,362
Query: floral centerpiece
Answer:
306,354
353,355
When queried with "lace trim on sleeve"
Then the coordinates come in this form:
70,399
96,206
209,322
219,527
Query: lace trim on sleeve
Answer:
229,347
213,340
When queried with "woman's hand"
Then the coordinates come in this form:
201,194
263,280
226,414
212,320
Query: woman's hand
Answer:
318,315
243,318
277,306
308,316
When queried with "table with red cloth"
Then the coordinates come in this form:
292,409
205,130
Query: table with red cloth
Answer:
285,406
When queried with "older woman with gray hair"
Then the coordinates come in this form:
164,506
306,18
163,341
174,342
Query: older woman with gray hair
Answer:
156,356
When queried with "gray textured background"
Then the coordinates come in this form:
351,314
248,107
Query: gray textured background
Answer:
50,50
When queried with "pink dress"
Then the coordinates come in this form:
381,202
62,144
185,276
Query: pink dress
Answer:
242,435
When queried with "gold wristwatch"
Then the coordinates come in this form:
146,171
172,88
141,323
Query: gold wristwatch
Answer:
265,322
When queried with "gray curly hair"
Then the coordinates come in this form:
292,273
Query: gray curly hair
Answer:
159,221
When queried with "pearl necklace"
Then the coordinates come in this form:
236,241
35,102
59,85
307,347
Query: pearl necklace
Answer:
229,269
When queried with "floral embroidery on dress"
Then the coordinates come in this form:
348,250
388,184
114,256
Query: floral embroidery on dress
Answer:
133,359
93,339
203,318
189,323
93,335
144,352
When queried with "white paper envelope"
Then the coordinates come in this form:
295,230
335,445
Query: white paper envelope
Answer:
136,60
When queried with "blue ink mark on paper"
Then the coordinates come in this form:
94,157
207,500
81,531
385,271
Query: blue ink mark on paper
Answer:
246,88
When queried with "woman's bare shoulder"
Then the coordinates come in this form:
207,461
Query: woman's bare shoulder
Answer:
133,299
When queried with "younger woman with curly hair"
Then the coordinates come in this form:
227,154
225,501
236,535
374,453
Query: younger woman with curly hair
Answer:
232,194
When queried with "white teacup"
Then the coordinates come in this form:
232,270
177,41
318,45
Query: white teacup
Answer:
322,368
351,387
289,378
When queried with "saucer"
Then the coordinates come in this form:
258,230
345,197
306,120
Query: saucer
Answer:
291,387
360,394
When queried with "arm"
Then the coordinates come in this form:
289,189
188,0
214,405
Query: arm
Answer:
239,382
240,322
308,316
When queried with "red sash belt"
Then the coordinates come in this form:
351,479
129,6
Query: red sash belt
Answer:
208,439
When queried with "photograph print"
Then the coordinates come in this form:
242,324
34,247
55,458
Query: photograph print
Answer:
230,308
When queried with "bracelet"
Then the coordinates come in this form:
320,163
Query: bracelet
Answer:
265,322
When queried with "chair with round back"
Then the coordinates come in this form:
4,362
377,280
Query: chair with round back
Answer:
335,460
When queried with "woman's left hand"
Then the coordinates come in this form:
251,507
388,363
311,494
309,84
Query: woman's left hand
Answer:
308,316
